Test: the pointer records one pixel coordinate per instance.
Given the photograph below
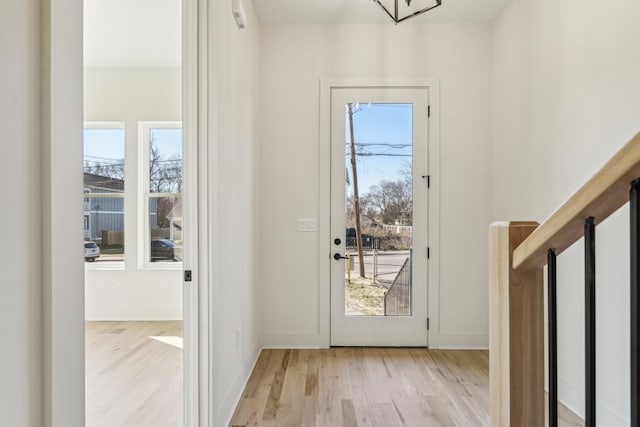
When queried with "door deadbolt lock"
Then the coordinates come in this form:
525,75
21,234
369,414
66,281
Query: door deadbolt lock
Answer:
337,241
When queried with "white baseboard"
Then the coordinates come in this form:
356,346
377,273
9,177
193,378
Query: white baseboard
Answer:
234,395
114,313
299,340
573,398
455,341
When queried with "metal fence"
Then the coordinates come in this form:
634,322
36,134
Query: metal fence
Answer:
397,300
369,243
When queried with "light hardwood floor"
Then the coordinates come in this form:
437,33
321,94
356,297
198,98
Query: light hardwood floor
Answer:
133,379
369,387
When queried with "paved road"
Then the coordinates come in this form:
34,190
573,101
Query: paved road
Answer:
388,263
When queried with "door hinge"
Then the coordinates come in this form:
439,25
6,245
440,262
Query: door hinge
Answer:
427,323
428,252
428,110
187,275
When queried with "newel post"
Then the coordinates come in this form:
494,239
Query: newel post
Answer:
516,322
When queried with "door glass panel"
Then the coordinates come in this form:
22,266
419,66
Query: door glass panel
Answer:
379,209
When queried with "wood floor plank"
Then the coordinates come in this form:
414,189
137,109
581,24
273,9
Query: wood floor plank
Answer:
365,387
349,418
273,403
133,379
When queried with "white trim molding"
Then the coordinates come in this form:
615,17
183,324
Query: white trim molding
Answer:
62,260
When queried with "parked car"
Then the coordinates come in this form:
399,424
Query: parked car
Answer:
165,249
91,251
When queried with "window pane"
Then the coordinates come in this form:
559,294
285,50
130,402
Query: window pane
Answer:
165,229
165,160
379,201
104,160
104,174
104,225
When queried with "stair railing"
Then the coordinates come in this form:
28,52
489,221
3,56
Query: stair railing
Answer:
517,256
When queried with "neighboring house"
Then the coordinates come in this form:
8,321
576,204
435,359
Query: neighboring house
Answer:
107,213
175,221
102,213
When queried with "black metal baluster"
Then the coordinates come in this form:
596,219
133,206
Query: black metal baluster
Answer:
590,321
553,338
634,198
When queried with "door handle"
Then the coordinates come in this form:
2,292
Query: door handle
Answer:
338,257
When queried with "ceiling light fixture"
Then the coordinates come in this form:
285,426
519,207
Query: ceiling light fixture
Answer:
401,10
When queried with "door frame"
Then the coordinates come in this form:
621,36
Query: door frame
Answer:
195,349
324,184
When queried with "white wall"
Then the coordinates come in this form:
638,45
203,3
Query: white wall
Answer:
38,386
234,204
293,59
41,286
20,252
565,100
128,292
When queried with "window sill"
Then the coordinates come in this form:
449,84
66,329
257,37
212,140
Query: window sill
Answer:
162,266
104,265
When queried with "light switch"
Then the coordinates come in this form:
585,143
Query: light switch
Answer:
306,224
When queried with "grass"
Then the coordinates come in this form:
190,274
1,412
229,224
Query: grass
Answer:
364,296
111,249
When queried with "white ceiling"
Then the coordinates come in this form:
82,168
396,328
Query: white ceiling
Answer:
366,11
132,33
147,33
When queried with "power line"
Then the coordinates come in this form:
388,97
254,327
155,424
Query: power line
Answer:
403,106
384,154
103,158
382,144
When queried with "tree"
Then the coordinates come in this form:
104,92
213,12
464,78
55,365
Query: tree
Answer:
165,174
113,169
390,202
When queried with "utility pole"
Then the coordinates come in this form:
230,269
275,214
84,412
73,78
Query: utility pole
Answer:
356,199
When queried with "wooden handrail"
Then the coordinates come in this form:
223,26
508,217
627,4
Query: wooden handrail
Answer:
601,196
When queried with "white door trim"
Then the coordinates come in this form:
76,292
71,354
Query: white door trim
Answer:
324,217
63,351
192,311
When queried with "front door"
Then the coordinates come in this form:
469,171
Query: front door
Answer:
379,216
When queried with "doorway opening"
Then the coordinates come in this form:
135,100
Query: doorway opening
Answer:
133,212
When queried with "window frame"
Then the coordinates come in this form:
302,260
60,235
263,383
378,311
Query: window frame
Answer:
109,125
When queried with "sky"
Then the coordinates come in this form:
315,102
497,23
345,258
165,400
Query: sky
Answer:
103,145
107,145
384,131
389,127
